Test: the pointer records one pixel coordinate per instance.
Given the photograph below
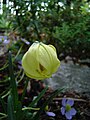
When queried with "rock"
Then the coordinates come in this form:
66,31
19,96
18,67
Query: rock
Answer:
84,62
73,76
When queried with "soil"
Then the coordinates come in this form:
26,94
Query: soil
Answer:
81,103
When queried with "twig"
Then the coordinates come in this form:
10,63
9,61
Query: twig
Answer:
75,99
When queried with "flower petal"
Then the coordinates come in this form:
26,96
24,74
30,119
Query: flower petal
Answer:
48,58
40,61
6,41
70,102
51,114
63,110
68,115
73,111
64,101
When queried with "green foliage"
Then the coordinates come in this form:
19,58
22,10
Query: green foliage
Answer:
5,21
10,109
68,28
65,24
4,24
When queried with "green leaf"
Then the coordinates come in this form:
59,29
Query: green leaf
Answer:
24,91
55,93
19,112
13,83
10,108
38,97
3,104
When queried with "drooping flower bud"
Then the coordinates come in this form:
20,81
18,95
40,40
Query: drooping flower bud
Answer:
40,61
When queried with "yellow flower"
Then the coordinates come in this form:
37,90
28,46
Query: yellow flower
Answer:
40,61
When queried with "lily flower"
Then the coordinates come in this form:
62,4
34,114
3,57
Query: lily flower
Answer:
67,109
40,61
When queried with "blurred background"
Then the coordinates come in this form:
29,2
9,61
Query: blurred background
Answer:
63,23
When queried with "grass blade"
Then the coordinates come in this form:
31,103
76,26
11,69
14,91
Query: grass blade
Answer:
3,104
24,90
10,108
38,97
13,82
19,112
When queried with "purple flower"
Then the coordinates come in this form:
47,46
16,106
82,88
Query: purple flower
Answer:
51,114
67,109
6,41
19,64
25,41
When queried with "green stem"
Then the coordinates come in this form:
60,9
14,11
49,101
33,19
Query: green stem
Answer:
30,108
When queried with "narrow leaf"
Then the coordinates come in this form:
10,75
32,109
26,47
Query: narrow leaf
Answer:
25,88
19,112
3,104
10,108
13,82
38,97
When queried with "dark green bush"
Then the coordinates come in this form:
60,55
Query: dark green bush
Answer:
65,25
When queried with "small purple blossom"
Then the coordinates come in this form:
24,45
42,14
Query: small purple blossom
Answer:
51,114
6,41
19,64
67,109
25,41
